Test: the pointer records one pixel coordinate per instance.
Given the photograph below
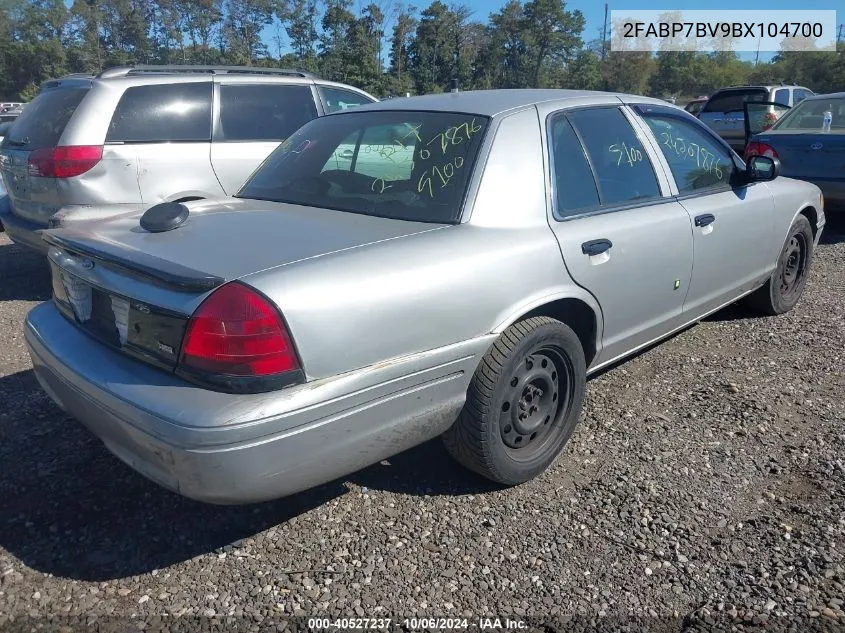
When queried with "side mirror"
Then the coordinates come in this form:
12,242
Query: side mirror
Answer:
762,169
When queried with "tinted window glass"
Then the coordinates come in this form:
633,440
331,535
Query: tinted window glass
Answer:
782,96
265,112
696,159
380,154
732,100
809,115
799,94
574,185
42,122
622,167
166,112
403,165
337,99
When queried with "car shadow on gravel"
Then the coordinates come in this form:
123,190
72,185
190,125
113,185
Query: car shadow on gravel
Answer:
24,274
73,510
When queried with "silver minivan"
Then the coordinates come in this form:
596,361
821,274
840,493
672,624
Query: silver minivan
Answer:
92,147
723,112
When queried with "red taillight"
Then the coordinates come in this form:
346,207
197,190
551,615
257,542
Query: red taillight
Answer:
64,162
755,148
237,332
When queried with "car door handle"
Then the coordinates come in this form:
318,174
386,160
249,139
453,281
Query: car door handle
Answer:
705,219
596,247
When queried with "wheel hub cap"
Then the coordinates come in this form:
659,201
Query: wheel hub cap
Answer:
531,402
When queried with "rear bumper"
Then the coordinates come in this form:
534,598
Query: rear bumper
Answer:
225,449
22,231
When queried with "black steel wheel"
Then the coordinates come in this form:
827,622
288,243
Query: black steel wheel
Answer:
523,402
786,285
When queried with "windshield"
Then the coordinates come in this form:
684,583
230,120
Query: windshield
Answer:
401,165
809,116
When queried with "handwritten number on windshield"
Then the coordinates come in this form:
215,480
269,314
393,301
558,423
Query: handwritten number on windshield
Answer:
456,135
439,175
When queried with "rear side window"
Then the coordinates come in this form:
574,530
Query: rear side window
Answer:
574,185
268,112
163,113
623,170
799,94
782,96
336,99
733,100
42,122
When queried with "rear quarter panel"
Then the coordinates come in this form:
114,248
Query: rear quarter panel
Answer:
356,308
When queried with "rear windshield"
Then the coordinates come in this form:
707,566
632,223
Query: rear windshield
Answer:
809,116
42,122
733,100
402,165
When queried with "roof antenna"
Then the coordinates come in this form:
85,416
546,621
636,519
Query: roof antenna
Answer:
455,85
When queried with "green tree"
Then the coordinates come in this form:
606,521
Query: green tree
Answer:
399,79
245,19
584,72
554,34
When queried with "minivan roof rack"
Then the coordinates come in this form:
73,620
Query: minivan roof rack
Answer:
122,71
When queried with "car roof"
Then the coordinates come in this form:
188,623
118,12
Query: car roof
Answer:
829,95
495,102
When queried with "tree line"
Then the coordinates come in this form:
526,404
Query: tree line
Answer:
385,47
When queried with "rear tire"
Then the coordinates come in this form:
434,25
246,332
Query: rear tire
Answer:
523,402
784,288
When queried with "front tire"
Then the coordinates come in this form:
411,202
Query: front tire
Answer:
786,285
523,402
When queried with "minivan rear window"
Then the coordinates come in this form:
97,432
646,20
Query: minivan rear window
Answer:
162,113
733,100
42,122
394,164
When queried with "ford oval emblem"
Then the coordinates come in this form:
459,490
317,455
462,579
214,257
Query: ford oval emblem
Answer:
816,146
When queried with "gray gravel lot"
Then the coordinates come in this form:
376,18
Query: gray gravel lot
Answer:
704,485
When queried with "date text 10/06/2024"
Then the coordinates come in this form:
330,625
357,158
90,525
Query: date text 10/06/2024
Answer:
423,623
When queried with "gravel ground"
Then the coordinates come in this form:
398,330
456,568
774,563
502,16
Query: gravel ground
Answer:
703,488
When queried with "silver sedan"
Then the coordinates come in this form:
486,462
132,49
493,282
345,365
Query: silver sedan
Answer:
450,265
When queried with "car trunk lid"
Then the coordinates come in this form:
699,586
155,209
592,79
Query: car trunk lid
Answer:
808,155
136,290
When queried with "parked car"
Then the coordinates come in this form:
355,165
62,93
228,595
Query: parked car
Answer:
11,114
694,106
328,317
723,112
92,147
801,143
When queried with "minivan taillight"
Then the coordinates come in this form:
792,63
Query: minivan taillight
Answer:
64,162
755,148
238,332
